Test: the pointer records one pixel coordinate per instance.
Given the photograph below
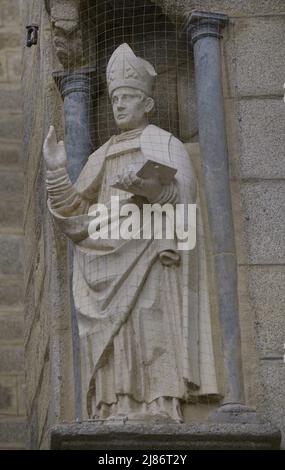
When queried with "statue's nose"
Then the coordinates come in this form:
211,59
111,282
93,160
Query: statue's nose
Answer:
120,104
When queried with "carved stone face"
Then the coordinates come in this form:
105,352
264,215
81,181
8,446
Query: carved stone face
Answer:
130,108
67,41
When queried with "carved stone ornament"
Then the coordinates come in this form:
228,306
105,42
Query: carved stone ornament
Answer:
67,35
142,304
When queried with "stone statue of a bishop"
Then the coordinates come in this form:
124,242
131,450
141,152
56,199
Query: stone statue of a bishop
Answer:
145,334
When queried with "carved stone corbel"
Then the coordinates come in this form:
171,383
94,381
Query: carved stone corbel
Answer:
66,32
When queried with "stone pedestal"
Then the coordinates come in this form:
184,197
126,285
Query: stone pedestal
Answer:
95,436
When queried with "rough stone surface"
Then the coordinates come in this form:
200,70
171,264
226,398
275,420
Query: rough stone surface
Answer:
266,285
8,395
11,183
11,293
11,327
10,12
11,99
12,433
9,41
21,395
11,214
248,339
10,126
92,436
39,269
14,66
239,222
3,68
10,254
11,359
10,154
259,45
231,7
43,404
262,124
271,399
263,206
36,346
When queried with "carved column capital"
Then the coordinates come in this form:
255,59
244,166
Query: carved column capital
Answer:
77,81
204,24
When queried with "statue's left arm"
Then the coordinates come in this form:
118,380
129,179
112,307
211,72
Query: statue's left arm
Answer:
185,179
182,190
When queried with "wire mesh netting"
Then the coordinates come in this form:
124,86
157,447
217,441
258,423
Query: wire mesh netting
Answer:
144,319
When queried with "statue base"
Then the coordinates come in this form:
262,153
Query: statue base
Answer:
94,435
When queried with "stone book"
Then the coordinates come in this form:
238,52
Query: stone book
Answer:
166,173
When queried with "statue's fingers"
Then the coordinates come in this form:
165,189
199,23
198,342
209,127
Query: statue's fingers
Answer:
132,176
137,181
133,180
51,137
61,144
129,179
125,180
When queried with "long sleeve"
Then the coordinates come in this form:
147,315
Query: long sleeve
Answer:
63,197
168,195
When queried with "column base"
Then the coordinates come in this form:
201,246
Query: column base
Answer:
235,413
91,435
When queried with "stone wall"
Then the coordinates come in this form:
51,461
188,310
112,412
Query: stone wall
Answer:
12,392
253,76
254,73
47,324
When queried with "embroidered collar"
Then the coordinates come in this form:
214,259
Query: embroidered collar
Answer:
128,135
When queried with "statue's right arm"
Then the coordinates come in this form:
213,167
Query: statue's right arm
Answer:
63,197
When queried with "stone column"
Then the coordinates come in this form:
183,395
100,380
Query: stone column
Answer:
205,31
76,90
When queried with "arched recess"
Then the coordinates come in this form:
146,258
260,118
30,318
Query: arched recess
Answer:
153,35
90,30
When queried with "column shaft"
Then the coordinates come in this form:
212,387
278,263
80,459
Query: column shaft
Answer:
76,90
205,31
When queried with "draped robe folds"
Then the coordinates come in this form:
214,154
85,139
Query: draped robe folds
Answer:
145,330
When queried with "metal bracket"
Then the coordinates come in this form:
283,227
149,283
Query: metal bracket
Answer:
32,35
